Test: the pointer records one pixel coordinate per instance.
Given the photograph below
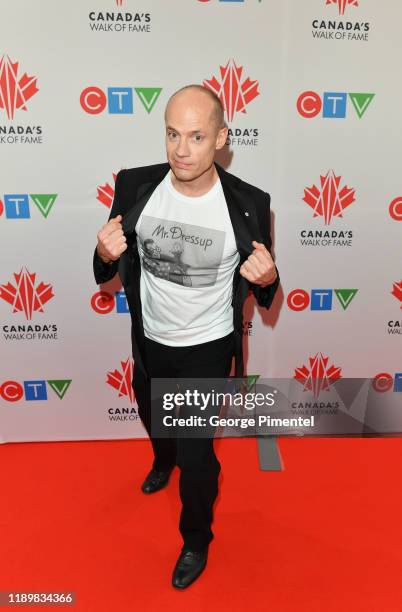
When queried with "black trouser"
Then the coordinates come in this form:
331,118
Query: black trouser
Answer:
199,466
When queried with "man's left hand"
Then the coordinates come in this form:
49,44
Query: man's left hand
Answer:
259,267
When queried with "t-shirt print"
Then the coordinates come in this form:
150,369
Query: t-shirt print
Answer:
181,253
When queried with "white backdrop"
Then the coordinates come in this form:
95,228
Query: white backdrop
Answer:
65,354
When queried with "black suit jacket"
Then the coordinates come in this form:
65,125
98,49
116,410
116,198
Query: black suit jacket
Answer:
249,211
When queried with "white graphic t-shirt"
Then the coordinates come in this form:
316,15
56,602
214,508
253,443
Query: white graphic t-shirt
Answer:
188,256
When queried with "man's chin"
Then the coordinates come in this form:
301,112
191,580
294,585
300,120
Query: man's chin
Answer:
183,174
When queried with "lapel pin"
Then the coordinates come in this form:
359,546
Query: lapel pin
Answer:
246,213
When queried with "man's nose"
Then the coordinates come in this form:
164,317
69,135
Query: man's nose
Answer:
182,148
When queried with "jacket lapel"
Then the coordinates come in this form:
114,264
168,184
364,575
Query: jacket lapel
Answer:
242,213
144,192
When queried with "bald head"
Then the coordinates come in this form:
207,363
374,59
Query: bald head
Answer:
195,130
197,94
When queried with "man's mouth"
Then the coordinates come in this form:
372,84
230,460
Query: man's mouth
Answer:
181,164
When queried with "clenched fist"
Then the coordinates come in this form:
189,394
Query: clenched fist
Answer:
259,267
111,240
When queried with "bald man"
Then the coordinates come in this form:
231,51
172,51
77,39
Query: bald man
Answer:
189,241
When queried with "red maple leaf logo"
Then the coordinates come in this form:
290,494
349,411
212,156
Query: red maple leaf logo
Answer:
397,291
24,296
318,376
234,94
342,4
329,199
119,2
14,92
121,380
106,193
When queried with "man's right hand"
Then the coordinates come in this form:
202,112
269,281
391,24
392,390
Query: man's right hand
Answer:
111,240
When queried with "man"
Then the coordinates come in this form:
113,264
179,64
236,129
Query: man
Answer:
188,240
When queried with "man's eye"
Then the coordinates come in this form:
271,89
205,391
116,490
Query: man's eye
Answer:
198,137
171,134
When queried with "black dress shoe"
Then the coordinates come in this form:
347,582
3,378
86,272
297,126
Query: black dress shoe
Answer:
156,479
189,566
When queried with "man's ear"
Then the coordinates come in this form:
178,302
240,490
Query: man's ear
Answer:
221,138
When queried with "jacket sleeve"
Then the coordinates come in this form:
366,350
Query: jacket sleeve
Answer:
105,271
265,295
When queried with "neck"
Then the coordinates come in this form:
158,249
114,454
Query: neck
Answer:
198,186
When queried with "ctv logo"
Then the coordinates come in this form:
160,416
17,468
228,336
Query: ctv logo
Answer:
121,380
332,104
32,390
319,299
395,209
16,205
104,302
384,381
117,100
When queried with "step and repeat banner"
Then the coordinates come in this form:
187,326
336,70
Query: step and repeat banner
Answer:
311,91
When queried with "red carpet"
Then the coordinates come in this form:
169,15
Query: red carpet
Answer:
323,535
